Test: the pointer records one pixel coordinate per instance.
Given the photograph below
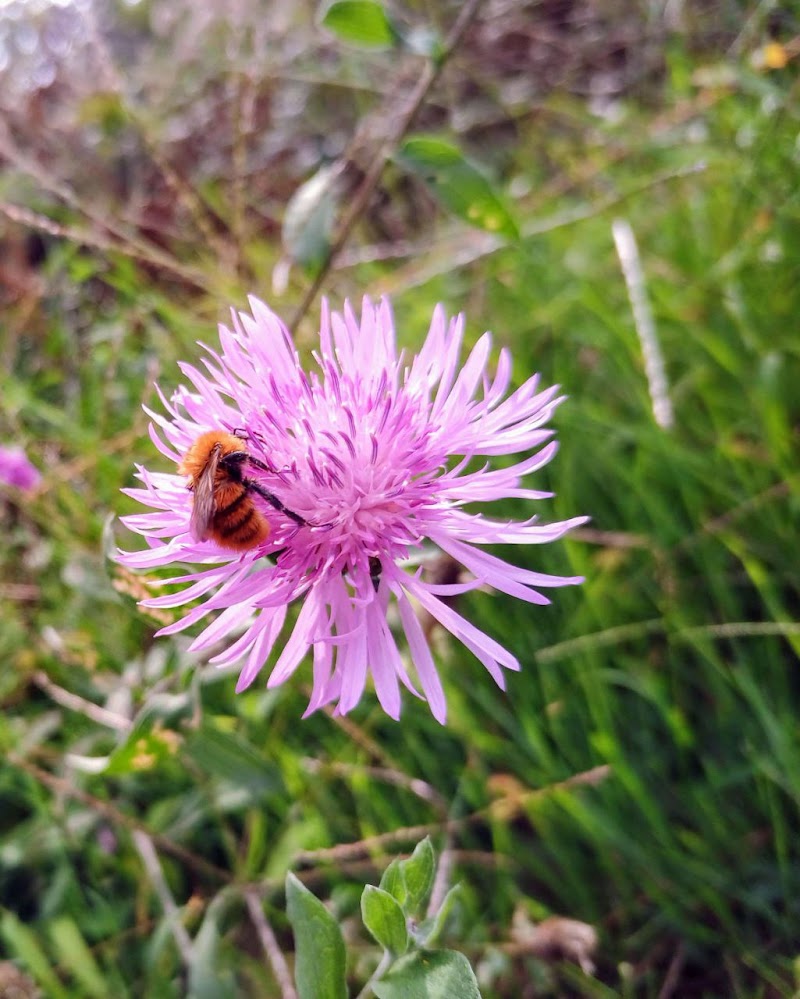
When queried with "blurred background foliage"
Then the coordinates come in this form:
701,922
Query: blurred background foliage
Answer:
159,162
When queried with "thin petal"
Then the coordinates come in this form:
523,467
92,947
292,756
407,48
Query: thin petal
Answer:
353,660
384,658
268,628
422,658
323,664
495,571
298,644
459,626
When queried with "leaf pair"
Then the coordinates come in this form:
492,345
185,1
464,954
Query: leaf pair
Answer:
392,913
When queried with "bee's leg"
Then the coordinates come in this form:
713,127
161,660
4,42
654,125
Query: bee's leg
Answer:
273,500
258,463
245,435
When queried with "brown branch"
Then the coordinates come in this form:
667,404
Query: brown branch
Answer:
347,851
270,946
121,243
404,119
95,712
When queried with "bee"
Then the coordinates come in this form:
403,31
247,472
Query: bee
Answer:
223,508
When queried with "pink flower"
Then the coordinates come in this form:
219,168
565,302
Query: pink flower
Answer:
16,470
374,450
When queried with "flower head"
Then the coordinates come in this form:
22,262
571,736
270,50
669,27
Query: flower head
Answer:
370,456
16,470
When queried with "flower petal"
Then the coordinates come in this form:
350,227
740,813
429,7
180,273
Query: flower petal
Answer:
423,660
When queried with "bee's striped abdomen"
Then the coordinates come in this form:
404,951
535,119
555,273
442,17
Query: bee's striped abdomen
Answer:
237,522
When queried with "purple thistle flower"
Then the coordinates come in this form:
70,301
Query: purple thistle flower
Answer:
16,470
374,451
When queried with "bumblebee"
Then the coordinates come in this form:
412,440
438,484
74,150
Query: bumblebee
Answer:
223,509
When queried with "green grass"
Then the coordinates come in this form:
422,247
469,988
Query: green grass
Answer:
674,666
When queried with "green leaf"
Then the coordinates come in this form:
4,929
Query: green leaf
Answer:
309,217
429,974
428,931
361,22
231,758
75,957
23,944
394,881
419,871
142,751
427,153
460,185
208,979
150,744
384,919
106,111
319,970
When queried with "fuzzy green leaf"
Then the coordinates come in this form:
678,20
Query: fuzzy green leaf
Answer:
320,960
394,881
432,974
384,919
419,871
428,931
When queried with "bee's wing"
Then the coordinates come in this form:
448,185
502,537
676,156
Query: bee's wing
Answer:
203,506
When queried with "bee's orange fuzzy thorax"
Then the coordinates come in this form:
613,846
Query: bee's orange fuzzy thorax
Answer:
198,455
